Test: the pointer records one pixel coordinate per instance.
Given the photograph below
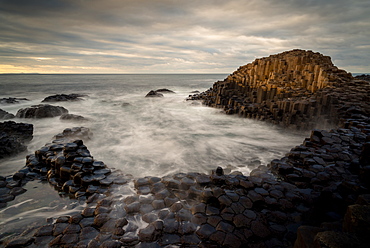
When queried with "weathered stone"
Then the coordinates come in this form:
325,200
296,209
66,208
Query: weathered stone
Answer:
205,231
260,229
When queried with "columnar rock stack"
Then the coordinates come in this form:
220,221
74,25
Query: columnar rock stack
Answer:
285,89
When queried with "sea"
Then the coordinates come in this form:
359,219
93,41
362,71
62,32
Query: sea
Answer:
139,135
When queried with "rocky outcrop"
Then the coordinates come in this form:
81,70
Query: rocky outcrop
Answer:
296,89
41,111
364,77
13,137
5,115
153,93
158,93
63,98
164,91
12,100
72,117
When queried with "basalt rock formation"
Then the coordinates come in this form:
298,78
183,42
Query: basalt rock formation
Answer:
13,136
63,98
316,196
297,89
5,115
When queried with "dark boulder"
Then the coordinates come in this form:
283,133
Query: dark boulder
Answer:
22,131
63,98
11,100
153,93
164,91
13,136
41,111
5,115
72,117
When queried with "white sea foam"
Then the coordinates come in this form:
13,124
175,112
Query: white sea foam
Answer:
150,136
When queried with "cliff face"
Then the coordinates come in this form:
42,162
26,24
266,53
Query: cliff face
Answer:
296,89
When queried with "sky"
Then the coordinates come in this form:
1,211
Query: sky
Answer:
173,36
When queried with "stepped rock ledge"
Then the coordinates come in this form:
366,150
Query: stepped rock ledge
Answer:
296,89
317,195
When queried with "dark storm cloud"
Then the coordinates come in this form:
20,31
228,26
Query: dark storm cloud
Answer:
177,36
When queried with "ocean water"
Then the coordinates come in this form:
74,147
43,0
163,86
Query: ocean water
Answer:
141,136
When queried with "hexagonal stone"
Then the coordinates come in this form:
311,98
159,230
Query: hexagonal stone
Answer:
170,225
224,201
72,228
225,227
133,207
203,179
70,238
254,196
218,237
149,217
184,215
210,210
146,208
46,230
205,231
198,208
59,228
111,244
158,204
199,219
168,239
85,222
88,233
100,219
240,220
246,202
190,239
259,229
213,220
187,227
231,240
232,195
162,194
147,234
169,201
121,222
250,214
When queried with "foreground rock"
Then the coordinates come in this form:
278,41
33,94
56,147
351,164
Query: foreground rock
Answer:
5,115
41,111
13,137
63,98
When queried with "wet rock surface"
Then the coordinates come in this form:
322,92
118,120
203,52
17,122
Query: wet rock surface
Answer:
5,115
154,93
296,89
72,117
12,100
64,98
13,137
41,111
194,209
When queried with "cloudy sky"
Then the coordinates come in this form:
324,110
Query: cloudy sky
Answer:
173,36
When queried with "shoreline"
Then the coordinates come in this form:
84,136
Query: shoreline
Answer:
313,195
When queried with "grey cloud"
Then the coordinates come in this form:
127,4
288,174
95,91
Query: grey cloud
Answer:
202,35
